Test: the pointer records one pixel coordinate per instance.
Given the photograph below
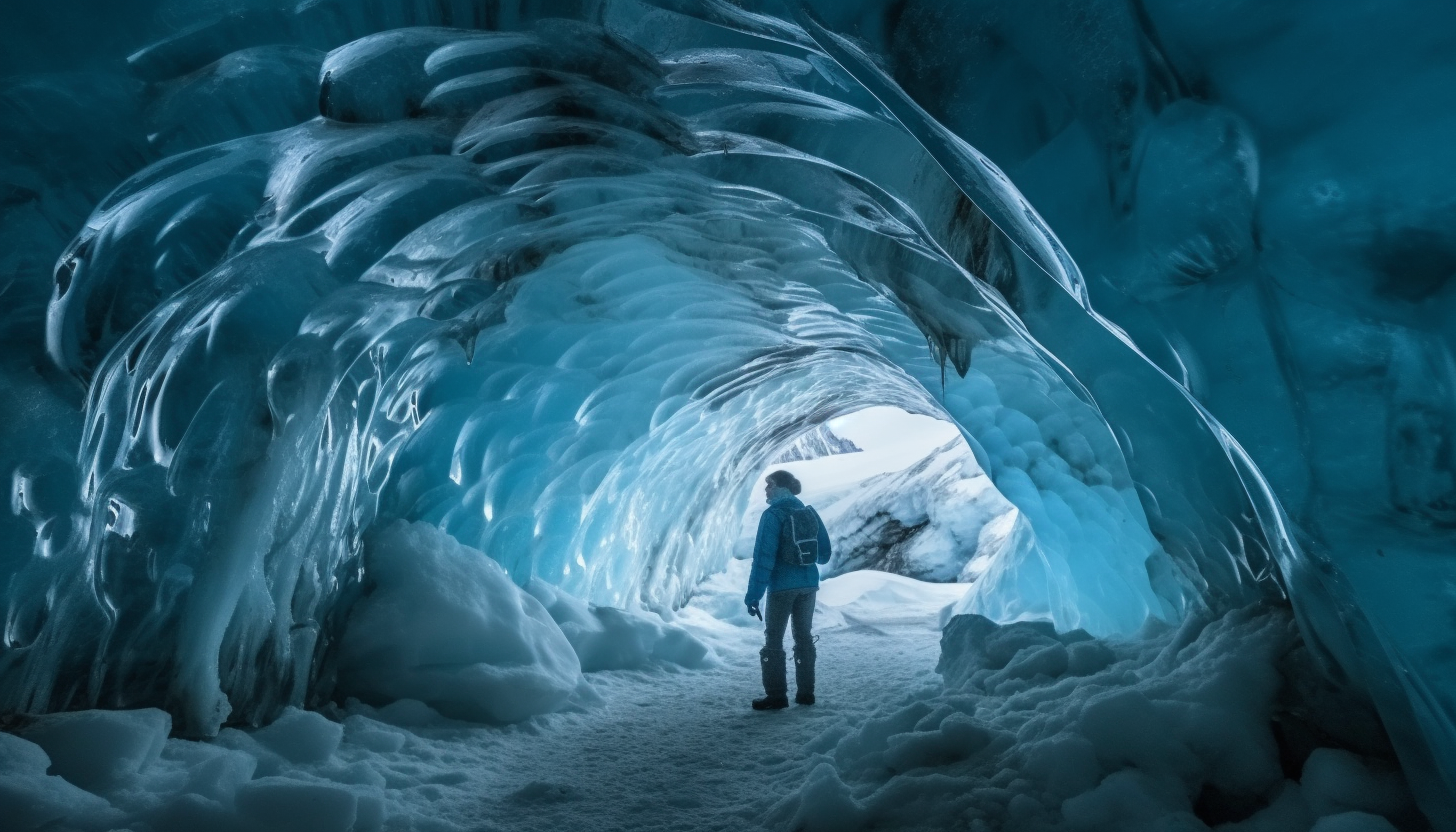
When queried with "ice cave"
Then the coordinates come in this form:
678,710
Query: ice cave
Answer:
390,388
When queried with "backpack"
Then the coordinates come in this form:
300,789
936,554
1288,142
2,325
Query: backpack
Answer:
799,536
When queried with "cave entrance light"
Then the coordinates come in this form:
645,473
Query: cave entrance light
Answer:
900,493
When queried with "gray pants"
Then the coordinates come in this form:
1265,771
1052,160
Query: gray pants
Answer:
797,604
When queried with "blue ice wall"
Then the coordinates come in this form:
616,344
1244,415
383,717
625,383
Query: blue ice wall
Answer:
1258,194
556,277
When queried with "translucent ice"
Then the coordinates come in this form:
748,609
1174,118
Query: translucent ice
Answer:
556,278
336,329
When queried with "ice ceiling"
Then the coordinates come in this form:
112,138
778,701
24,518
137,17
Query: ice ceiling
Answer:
557,277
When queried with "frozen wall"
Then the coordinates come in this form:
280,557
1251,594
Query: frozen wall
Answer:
1259,194
557,286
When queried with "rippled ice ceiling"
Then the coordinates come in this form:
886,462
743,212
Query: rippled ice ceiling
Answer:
558,277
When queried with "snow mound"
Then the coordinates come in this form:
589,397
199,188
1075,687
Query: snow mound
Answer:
608,638
444,624
870,588
1036,730
102,770
883,596
100,749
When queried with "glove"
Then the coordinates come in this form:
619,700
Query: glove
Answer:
753,611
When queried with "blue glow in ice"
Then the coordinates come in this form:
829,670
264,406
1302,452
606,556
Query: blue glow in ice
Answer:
558,277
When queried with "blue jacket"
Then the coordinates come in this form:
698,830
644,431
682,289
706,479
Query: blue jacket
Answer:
770,573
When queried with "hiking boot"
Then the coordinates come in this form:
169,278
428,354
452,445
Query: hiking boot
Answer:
775,677
771,703
804,674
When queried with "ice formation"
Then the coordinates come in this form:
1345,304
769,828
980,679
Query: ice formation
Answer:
555,278
937,520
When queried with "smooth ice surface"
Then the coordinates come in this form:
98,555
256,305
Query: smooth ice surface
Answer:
1258,196
556,278
546,313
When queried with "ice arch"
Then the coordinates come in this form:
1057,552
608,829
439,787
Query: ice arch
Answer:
555,286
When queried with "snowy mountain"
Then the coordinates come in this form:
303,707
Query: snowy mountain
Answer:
820,442
927,521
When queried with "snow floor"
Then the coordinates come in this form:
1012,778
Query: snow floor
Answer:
666,750
1026,729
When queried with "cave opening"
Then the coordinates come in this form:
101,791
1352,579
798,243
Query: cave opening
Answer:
899,492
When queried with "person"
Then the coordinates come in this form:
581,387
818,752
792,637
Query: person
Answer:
792,584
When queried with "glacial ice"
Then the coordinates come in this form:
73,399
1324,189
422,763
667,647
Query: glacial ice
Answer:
249,420
1279,245
556,278
910,499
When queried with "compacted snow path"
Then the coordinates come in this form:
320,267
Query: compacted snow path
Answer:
673,749
1028,730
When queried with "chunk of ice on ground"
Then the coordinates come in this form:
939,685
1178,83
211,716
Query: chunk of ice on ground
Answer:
99,750
30,799
282,804
301,736
1353,822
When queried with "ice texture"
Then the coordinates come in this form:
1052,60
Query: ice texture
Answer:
555,317
1278,240
555,278
1040,730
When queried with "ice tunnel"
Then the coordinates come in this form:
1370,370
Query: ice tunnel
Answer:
556,278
